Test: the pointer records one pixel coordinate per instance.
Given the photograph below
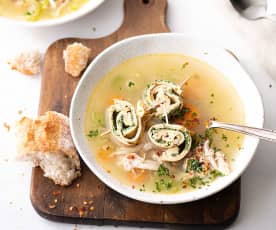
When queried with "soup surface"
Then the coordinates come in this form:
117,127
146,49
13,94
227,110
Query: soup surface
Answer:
205,94
34,10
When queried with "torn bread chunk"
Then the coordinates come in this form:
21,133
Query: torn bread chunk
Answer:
27,62
47,142
75,57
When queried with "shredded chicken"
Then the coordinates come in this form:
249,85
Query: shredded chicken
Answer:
53,4
61,7
216,159
132,161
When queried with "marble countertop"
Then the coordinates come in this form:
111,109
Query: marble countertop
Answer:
254,42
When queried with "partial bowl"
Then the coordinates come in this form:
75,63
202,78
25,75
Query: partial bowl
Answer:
84,10
218,57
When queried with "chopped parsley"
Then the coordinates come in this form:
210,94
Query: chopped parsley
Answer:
198,139
163,171
215,173
194,114
165,181
193,165
184,65
216,149
28,13
196,181
209,134
142,189
131,84
179,113
93,133
224,137
163,184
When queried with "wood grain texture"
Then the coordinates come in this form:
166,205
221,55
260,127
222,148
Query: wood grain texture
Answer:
73,203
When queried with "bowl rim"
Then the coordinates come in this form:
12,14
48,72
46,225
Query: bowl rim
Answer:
199,194
84,10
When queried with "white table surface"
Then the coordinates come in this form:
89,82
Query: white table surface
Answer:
254,44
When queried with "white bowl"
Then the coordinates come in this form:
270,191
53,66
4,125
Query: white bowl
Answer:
85,9
217,57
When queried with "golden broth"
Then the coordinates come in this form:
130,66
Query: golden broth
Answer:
206,91
40,10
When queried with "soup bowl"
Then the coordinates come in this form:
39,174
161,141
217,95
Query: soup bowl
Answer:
217,57
82,11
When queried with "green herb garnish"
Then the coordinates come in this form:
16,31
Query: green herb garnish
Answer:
142,189
93,133
163,185
163,171
215,173
224,137
130,84
28,13
196,181
184,65
193,165
209,134
179,113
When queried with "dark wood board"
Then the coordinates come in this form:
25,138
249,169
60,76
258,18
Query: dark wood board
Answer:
57,88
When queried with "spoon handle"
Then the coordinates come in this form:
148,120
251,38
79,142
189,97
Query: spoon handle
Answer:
265,134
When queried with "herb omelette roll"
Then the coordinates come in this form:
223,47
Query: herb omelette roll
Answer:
174,140
164,96
124,123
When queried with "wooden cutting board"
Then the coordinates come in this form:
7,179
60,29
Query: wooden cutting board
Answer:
88,200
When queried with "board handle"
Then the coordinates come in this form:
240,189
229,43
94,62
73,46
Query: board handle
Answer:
143,17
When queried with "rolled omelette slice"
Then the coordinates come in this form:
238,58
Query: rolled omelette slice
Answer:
174,140
164,96
124,123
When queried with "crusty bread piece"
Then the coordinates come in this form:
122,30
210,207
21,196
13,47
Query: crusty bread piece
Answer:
75,57
27,62
47,142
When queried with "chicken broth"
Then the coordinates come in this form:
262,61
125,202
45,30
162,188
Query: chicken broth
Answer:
34,10
145,159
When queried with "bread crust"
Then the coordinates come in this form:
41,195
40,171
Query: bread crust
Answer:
27,62
50,135
75,57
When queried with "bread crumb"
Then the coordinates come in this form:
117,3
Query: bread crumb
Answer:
6,126
76,57
81,211
27,62
76,227
56,193
52,206
90,202
55,201
77,185
91,208
19,112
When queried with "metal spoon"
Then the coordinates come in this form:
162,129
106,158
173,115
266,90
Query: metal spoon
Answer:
265,134
254,9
